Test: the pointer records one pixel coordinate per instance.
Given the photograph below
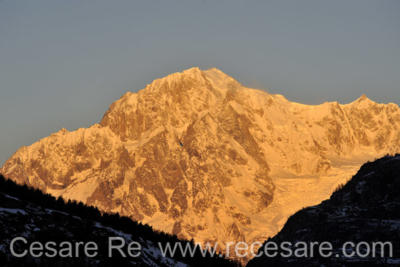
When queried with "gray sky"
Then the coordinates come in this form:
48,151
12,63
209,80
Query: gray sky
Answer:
62,63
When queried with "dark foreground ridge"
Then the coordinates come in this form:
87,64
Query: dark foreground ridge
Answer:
366,209
29,213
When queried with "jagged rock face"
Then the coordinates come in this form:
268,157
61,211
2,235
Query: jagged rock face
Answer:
195,153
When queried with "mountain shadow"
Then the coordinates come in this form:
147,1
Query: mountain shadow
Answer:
365,211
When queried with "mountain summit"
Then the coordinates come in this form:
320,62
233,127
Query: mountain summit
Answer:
199,155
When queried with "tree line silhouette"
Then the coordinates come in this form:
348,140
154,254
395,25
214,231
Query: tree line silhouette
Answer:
89,216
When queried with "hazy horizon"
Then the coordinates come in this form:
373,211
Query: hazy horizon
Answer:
63,63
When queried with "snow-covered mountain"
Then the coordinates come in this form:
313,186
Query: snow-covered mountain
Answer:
199,155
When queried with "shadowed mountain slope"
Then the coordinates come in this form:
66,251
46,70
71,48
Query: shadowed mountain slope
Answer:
366,209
